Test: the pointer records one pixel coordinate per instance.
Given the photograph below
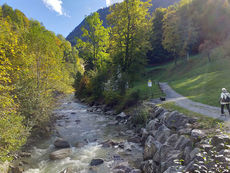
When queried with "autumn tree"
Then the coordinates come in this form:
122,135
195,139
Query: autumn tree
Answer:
129,39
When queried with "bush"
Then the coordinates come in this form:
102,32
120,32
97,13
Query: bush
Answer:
140,115
83,89
129,100
112,98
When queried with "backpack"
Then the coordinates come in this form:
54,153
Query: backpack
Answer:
226,98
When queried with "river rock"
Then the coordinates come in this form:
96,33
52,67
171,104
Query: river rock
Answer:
16,169
176,120
194,152
162,134
135,171
152,125
182,143
108,143
144,135
149,166
121,116
150,148
96,162
135,139
122,168
61,143
170,159
60,154
157,111
66,170
171,141
217,139
197,134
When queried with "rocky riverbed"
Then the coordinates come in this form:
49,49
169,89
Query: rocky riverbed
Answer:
85,141
95,140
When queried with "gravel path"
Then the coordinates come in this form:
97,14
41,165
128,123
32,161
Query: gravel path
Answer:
186,103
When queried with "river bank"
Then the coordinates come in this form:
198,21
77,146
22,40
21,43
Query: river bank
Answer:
101,141
90,136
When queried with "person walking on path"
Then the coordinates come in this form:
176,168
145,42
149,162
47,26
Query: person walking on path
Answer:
224,100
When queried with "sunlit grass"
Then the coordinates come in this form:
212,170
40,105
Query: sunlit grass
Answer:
197,79
145,91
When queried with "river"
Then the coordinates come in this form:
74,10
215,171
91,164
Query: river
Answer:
85,131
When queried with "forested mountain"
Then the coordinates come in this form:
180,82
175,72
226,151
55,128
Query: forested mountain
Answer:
105,11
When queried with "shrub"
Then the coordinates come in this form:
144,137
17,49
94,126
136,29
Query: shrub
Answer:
140,115
112,98
129,100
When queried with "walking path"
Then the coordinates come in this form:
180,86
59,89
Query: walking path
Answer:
186,103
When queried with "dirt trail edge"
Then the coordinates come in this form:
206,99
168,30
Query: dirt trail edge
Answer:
186,103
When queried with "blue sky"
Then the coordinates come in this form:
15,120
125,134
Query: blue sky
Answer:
59,16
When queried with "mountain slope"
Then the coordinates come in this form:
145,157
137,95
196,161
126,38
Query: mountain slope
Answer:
105,11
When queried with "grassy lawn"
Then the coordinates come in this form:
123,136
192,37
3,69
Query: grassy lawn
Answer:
197,79
204,122
145,91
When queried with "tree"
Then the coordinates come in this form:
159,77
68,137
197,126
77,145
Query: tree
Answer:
94,49
171,37
206,48
158,54
130,39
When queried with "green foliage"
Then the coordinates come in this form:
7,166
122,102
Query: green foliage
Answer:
129,41
158,54
34,66
112,98
140,115
130,99
94,49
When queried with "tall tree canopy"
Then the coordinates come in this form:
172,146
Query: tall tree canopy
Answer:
130,22
94,49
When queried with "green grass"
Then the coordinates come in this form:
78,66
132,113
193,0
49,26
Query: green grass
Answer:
197,79
203,121
145,91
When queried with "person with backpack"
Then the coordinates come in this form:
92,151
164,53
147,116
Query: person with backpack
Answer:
224,100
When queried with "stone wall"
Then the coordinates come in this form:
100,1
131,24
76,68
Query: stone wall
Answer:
172,144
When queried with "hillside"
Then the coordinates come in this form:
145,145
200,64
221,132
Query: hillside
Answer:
198,79
105,11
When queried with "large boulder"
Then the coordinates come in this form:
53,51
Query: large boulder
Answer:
153,125
61,143
170,159
176,120
60,154
182,143
172,140
162,134
150,148
197,134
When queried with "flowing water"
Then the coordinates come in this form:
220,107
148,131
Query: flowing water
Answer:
85,132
